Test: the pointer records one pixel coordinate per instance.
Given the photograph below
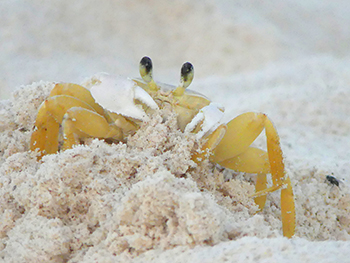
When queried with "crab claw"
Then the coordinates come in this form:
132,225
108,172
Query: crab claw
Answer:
207,120
118,95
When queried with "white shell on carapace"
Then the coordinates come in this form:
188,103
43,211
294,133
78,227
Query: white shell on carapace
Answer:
118,94
211,117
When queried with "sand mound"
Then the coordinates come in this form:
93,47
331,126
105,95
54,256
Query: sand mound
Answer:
117,202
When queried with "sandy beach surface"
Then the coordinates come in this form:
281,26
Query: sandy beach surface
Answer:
145,200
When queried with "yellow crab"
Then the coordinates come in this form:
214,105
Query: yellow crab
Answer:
126,103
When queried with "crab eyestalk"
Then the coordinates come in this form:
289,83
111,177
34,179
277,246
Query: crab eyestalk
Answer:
146,72
187,74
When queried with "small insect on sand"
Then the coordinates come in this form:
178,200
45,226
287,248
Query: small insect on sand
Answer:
332,180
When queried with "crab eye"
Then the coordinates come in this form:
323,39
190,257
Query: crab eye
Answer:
186,70
146,69
187,74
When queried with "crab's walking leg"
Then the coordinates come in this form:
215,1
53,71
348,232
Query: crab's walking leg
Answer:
260,185
211,142
242,131
280,178
252,160
50,115
45,134
79,123
288,209
62,96
76,91
234,152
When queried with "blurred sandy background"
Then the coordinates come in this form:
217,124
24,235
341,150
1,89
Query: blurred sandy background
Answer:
71,40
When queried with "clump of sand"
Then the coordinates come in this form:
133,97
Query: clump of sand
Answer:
117,202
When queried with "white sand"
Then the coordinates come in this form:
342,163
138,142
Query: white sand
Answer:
129,202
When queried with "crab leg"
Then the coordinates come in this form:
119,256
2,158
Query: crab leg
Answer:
288,209
241,132
50,115
253,160
234,152
211,142
76,91
261,184
45,134
79,123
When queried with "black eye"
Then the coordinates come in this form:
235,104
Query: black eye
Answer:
185,70
146,62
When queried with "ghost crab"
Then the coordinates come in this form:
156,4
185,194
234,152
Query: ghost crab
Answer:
126,103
